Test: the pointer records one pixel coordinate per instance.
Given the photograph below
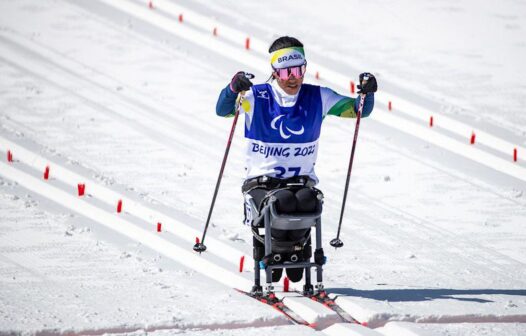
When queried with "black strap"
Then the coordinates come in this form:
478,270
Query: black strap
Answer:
268,182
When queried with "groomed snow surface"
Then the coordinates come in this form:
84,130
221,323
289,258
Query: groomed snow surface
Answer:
121,97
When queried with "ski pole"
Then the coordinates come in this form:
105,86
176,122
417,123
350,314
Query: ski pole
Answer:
200,246
336,242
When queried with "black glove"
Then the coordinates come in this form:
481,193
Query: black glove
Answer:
241,81
367,83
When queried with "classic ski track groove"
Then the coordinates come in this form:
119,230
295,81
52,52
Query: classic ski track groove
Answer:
73,67
426,230
423,224
110,197
118,110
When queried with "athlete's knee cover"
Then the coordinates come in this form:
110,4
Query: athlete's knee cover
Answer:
307,200
285,201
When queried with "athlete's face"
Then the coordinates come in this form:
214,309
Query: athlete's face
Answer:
291,86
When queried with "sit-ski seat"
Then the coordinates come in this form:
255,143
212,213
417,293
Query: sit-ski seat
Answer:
286,241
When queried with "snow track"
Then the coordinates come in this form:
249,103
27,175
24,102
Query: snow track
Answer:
97,206
62,178
147,117
110,198
380,224
122,226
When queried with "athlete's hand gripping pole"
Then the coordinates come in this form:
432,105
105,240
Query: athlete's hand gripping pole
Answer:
336,242
200,246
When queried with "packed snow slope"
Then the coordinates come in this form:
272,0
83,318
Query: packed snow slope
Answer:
121,97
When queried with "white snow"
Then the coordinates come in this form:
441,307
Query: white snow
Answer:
121,97
311,311
350,329
460,329
58,276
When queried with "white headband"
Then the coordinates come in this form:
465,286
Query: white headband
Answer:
287,57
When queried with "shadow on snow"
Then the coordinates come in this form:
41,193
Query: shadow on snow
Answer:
408,295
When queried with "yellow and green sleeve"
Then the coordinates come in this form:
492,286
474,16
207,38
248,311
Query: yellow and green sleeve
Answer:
344,108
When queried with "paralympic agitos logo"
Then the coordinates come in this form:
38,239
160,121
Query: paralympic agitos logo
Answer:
284,131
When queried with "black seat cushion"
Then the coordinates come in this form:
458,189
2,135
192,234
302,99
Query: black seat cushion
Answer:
306,200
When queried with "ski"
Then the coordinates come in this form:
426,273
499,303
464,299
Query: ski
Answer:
274,302
323,298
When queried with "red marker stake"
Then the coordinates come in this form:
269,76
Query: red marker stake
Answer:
352,87
247,43
158,227
241,264
286,284
390,106
119,206
46,173
9,156
214,32
150,4
81,188
431,121
472,140
514,154
317,75
181,18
